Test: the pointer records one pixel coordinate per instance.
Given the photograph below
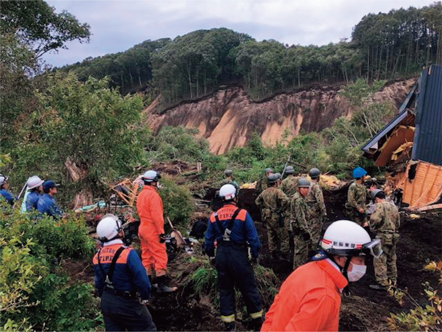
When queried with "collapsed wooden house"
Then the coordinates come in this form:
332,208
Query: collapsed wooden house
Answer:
410,145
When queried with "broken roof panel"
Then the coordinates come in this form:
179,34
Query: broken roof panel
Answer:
428,136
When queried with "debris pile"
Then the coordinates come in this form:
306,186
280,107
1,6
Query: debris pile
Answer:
410,145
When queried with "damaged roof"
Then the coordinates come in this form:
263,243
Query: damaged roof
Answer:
428,120
428,135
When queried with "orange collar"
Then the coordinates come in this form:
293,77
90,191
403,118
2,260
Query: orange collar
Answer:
336,275
150,188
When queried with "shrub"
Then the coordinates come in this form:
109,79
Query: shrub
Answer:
36,293
423,317
177,201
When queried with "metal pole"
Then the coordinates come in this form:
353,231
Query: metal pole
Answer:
283,172
19,195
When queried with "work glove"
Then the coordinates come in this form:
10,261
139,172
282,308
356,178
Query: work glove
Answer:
145,302
212,261
162,238
255,261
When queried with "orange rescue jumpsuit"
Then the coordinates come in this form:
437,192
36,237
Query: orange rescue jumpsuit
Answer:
309,300
150,211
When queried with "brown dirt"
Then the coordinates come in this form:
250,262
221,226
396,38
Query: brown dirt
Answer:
365,309
229,117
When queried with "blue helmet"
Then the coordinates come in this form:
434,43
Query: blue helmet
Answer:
359,172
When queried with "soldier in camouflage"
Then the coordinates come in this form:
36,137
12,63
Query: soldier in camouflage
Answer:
299,223
262,183
385,221
273,202
356,199
229,179
315,202
289,185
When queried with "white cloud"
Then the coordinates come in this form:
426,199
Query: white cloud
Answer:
118,25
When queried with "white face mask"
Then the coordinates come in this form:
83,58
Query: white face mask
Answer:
357,272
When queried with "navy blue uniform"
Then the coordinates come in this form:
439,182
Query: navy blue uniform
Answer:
7,195
32,201
232,261
120,306
46,205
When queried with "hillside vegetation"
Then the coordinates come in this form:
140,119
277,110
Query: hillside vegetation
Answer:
383,46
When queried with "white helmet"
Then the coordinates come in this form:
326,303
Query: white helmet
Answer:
3,179
346,238
108,228
227,192
150,176
34,182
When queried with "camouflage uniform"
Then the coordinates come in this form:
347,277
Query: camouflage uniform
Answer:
289,185
261,185
385,221
273,202
300,227
317,211
229,181
357,195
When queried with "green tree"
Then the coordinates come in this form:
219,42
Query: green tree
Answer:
83,132
36,24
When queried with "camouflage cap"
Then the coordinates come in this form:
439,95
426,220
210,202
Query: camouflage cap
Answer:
303,183
272,178
375,192
314,173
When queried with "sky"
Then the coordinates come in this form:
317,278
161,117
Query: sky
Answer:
117,25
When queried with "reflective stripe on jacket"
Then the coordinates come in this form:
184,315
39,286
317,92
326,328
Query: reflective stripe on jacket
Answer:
129,274
243,229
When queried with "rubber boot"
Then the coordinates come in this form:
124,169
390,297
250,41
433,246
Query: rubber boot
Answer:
162,288
231,326
151,282
256,324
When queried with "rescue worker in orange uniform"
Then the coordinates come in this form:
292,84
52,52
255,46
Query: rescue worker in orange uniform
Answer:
310,298
151,231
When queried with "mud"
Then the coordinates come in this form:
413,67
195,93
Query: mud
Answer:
363,310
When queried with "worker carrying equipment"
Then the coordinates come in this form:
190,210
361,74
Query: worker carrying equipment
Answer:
289,185
4,193
121,281
151,230
309,299
35,192
234,230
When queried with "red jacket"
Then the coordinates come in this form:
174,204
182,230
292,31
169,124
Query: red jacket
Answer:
309,300
150,209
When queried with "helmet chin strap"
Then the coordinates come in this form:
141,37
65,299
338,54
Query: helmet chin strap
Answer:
344,270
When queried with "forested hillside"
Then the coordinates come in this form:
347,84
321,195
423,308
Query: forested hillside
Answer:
383,46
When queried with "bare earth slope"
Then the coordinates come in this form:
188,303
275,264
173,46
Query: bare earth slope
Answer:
228,117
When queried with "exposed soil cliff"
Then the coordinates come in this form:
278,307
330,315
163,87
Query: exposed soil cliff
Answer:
228,117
